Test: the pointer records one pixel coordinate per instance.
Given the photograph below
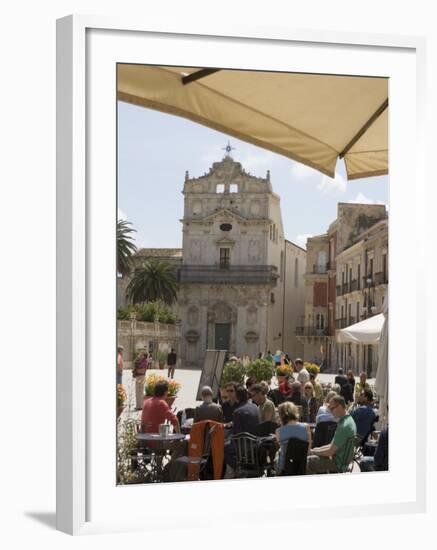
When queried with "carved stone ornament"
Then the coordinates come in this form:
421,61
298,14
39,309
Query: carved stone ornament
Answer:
192,336
251,336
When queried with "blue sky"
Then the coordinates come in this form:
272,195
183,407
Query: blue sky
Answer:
155,150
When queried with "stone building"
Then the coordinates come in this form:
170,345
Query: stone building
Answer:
241,282
346,281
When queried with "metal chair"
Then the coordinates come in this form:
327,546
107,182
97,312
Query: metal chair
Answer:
295,463
247,455
323,433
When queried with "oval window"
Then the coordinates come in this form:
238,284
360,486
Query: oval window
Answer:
226,227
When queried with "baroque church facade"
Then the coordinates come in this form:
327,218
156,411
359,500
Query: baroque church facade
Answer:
241,283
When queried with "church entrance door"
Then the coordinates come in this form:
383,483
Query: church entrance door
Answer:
222,335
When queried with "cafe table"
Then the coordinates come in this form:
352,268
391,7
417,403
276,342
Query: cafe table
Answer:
158,446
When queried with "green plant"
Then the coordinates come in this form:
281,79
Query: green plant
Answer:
125,246
284,370
155,280
260,370
152,379
126,446
312,368
162,357
233,371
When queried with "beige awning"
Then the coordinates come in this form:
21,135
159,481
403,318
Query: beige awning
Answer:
313,119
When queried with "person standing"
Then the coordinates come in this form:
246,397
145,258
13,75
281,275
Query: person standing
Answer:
139,373
120,364
303,376
171,363
360,386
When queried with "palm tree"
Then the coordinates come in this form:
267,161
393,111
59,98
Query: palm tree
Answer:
125,246
155,280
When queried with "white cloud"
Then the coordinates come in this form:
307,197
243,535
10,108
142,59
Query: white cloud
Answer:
302,171
332,186
362,199
301,240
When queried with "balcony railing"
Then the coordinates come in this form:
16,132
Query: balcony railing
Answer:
368,281
311,331
381,278
321,268
238,274
341,323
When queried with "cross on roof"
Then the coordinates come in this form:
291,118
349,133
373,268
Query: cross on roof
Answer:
228,148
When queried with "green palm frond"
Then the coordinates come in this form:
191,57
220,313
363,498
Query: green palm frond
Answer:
125,246
155,280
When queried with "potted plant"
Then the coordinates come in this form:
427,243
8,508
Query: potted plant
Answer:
162,358
149,387
121,399
312,368
282,371
260,370
233,371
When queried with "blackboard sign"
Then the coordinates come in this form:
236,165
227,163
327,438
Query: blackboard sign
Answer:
212,371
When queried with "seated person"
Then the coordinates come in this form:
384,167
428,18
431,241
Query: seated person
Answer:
378,462
308,391
208,410
360,386
318,391
291,427
156,411
324,414
266,408
245,417
337,455
364,415
249,383
299,399
231,403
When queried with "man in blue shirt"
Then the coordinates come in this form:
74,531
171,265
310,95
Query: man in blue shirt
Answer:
365,415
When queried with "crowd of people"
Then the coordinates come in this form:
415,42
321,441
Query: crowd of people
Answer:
294,409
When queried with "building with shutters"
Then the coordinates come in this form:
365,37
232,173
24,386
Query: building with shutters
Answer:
346,281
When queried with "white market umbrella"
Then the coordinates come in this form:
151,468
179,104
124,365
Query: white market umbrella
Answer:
314,119
367,332
381,382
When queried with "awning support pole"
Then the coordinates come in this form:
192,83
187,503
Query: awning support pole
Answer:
364,129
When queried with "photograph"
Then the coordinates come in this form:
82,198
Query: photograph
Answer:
252,274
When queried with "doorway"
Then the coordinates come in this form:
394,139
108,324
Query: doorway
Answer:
222,336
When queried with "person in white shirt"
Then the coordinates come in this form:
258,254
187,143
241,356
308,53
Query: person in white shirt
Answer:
303,375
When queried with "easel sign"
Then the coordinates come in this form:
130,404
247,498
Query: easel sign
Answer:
212,371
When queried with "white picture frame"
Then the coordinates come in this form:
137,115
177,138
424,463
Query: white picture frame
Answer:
81,486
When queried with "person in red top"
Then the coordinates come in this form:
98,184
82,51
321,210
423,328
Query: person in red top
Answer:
156,411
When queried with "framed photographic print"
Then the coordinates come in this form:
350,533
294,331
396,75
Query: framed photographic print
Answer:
232,231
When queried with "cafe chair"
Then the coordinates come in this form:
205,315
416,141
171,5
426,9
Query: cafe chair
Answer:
265,428
200,461
295,458
247,450
323,433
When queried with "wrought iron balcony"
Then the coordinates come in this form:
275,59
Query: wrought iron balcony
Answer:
320,269
237,274
381,278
